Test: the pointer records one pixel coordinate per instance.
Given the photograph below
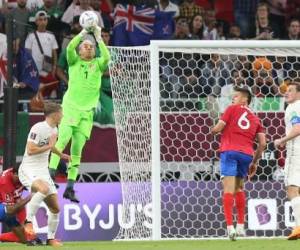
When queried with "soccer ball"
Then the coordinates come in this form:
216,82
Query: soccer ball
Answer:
88,19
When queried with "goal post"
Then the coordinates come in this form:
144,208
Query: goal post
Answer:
166,98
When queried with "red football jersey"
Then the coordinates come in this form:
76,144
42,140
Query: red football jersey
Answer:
240,130
10,192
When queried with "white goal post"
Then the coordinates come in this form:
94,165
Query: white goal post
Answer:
166,97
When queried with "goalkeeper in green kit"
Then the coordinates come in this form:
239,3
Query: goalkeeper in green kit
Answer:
79,102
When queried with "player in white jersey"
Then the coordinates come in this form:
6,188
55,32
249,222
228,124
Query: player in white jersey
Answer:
34,173
292,142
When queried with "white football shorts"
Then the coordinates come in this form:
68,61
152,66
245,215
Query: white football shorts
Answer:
27,177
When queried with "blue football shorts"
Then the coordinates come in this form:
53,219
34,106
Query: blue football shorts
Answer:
234,163
10,221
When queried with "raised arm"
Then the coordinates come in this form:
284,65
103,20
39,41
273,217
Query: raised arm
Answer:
71,48
105,55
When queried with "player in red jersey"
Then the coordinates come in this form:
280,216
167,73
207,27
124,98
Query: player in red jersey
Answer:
10,193
239,129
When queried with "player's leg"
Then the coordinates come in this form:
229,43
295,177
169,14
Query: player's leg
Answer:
39,190
10,236
19,231
64,136
292,181
294,196
240,198
11,221
53,219
240,204
78,142
228,172
79,137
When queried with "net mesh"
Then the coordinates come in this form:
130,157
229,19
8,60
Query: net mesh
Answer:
195,87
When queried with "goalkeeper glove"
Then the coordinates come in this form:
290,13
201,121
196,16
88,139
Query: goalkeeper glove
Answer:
83,32
97,33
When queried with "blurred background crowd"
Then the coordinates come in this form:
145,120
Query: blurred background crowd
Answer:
43,28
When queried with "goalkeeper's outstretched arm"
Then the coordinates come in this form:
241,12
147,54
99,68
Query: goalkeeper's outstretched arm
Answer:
71,48
105,55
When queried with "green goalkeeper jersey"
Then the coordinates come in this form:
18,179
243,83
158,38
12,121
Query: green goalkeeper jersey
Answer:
84,77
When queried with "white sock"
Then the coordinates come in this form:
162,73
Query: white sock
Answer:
53,220
34,205
296,209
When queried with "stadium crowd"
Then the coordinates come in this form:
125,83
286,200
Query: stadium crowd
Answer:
43,28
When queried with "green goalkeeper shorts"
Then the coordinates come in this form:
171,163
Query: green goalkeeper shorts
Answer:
81,120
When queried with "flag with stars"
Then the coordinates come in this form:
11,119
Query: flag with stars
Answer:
133,25
26,70
164,26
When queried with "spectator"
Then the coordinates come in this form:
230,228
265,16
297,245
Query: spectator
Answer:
55,25
75,10
244,14
211,31
95,4
234,32
182,30
43,46
33,5
21,15
188,9
293,30
47,41
292,10
197,26
264,29
277,15
168,6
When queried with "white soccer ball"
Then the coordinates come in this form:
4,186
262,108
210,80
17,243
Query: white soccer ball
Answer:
278,175
88,19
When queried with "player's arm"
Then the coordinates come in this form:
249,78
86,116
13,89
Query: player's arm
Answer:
225,118
33,148
218,127
60,154
294,132
71,48
105,55
261,145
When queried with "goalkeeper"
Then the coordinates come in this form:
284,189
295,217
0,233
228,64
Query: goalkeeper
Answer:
80,101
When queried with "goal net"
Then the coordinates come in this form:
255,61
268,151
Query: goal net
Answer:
166,99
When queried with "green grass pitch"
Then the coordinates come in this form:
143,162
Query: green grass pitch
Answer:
252,244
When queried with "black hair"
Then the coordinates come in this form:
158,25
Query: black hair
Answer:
245,90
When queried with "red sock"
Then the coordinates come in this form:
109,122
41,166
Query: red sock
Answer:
228,207
9,237
240,203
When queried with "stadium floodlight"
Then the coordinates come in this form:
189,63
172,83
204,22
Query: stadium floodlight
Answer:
166,98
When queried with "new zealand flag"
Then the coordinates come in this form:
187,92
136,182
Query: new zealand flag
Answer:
133,25
26,70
